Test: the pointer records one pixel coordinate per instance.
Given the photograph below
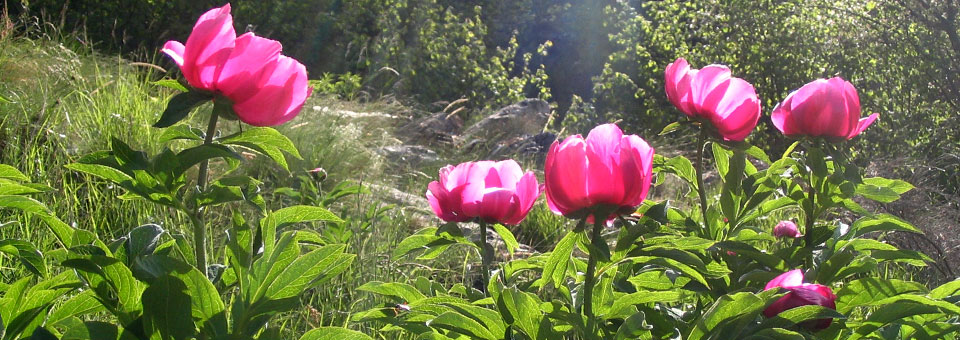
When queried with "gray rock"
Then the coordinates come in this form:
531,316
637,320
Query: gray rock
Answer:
436,129
509,124
410,155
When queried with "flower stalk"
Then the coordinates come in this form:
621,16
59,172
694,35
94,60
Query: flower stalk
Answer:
199,227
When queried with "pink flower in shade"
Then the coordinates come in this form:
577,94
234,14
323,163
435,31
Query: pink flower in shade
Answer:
265,87
492,191
786,229
800,294
822,108
605,170
711,94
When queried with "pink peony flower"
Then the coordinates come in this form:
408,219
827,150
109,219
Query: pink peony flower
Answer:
607,169
800,294
786,229
492,191
265,87
712,95
824,107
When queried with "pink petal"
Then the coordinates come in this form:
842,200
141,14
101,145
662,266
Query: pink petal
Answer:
283,90
780,117
174,49
506,174
445,205
208,47
637,166
604,176
527,192
677,81
708,88
248,59
793,278
565,175
863,124
739,110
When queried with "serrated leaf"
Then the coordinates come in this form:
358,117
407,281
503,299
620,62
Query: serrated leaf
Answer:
179,107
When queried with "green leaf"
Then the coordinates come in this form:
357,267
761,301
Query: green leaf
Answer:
800,314
402,291
166,309
730,309
946,290
555,270
171,84
521,310
206,306
193,156
670,128
882,223
113,283
10,172
180,132
266,141
891,313
27,253
309,270
508,239
80,304
304,213
102,171
882,190
459,323
180,106
334,333
864,291
634,327
775,334
622,303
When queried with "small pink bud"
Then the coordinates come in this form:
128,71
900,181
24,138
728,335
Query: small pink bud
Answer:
786,229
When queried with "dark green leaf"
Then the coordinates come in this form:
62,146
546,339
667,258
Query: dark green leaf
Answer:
166,309
193,156
179,107
266,141
334,333
27,253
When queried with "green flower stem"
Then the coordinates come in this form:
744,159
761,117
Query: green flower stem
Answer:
200,228
590,279
701,191
485,259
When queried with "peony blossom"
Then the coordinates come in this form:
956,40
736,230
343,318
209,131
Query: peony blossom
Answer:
711,95
491,191
822,108
800,294
786,229
265,87
605,170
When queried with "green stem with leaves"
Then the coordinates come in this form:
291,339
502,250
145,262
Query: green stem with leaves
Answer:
590,280
200,228
485,259
701,190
